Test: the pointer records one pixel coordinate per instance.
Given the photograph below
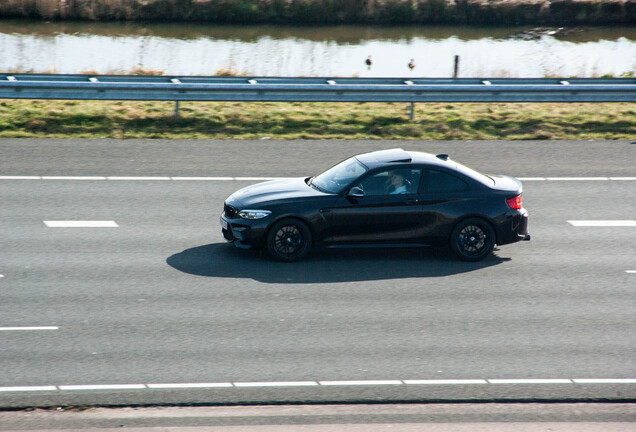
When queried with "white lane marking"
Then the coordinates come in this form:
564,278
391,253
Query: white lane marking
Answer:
227,178
20,178
182,178
605,381
590,381
603,223
277,384
104,387
203,178
530,381
139,178
630,271
28,388
73,178
28,328
360,383
189,385
445,382
578,178
81,224
1,276
259,178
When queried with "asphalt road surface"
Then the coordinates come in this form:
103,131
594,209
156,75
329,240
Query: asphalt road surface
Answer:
466,417
151,306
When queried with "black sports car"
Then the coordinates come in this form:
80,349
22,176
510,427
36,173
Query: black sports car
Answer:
384,198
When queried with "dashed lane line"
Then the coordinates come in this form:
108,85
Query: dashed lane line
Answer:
103,387
277,384
189,385
530,381
577,178
81,224
446,382
28,388
361,383
41,328
283,384
605,381
603,223
73,178
139,178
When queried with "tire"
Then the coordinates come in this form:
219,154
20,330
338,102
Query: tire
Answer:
289,240
472,240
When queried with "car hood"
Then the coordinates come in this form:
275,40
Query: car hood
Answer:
275,190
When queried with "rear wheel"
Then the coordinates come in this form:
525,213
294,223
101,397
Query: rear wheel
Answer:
472,240
289,240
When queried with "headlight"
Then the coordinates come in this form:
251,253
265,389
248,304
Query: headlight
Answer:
254,214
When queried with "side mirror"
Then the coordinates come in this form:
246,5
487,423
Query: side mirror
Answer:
356,192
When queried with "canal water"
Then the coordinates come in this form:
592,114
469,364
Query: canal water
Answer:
204,49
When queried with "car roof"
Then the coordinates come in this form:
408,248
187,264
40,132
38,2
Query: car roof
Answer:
397,156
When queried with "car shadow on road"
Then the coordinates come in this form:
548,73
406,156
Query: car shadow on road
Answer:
324,265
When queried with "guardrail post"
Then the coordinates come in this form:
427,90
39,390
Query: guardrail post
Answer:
412,110
456,69
176,109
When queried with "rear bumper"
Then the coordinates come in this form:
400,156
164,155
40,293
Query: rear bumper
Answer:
522,229
514,229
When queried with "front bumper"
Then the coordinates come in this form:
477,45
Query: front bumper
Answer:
243,233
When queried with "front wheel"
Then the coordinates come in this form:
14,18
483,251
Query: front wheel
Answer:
289,240
472,240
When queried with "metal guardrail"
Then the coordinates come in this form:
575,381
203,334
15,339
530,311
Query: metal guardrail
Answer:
193,88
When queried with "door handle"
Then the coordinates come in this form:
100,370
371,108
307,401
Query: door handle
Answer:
411,201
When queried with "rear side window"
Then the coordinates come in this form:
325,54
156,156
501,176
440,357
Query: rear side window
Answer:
439,181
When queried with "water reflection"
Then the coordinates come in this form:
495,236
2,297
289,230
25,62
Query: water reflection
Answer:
203,49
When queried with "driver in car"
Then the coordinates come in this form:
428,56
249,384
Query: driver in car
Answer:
397,183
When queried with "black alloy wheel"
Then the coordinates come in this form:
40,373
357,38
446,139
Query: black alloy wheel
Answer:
472,240
289,240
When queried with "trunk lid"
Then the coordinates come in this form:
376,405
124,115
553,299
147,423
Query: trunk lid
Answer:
507,184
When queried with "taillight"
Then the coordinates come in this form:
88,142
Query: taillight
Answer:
515,202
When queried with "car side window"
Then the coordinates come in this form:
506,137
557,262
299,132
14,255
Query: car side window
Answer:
439,181
392,182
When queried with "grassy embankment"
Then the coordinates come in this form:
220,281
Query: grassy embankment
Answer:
473,12
220,120
20,118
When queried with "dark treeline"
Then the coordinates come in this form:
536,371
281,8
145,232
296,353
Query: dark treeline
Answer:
386,12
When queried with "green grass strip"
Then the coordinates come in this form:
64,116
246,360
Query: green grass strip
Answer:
245,120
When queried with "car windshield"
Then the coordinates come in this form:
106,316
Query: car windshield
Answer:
337,177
